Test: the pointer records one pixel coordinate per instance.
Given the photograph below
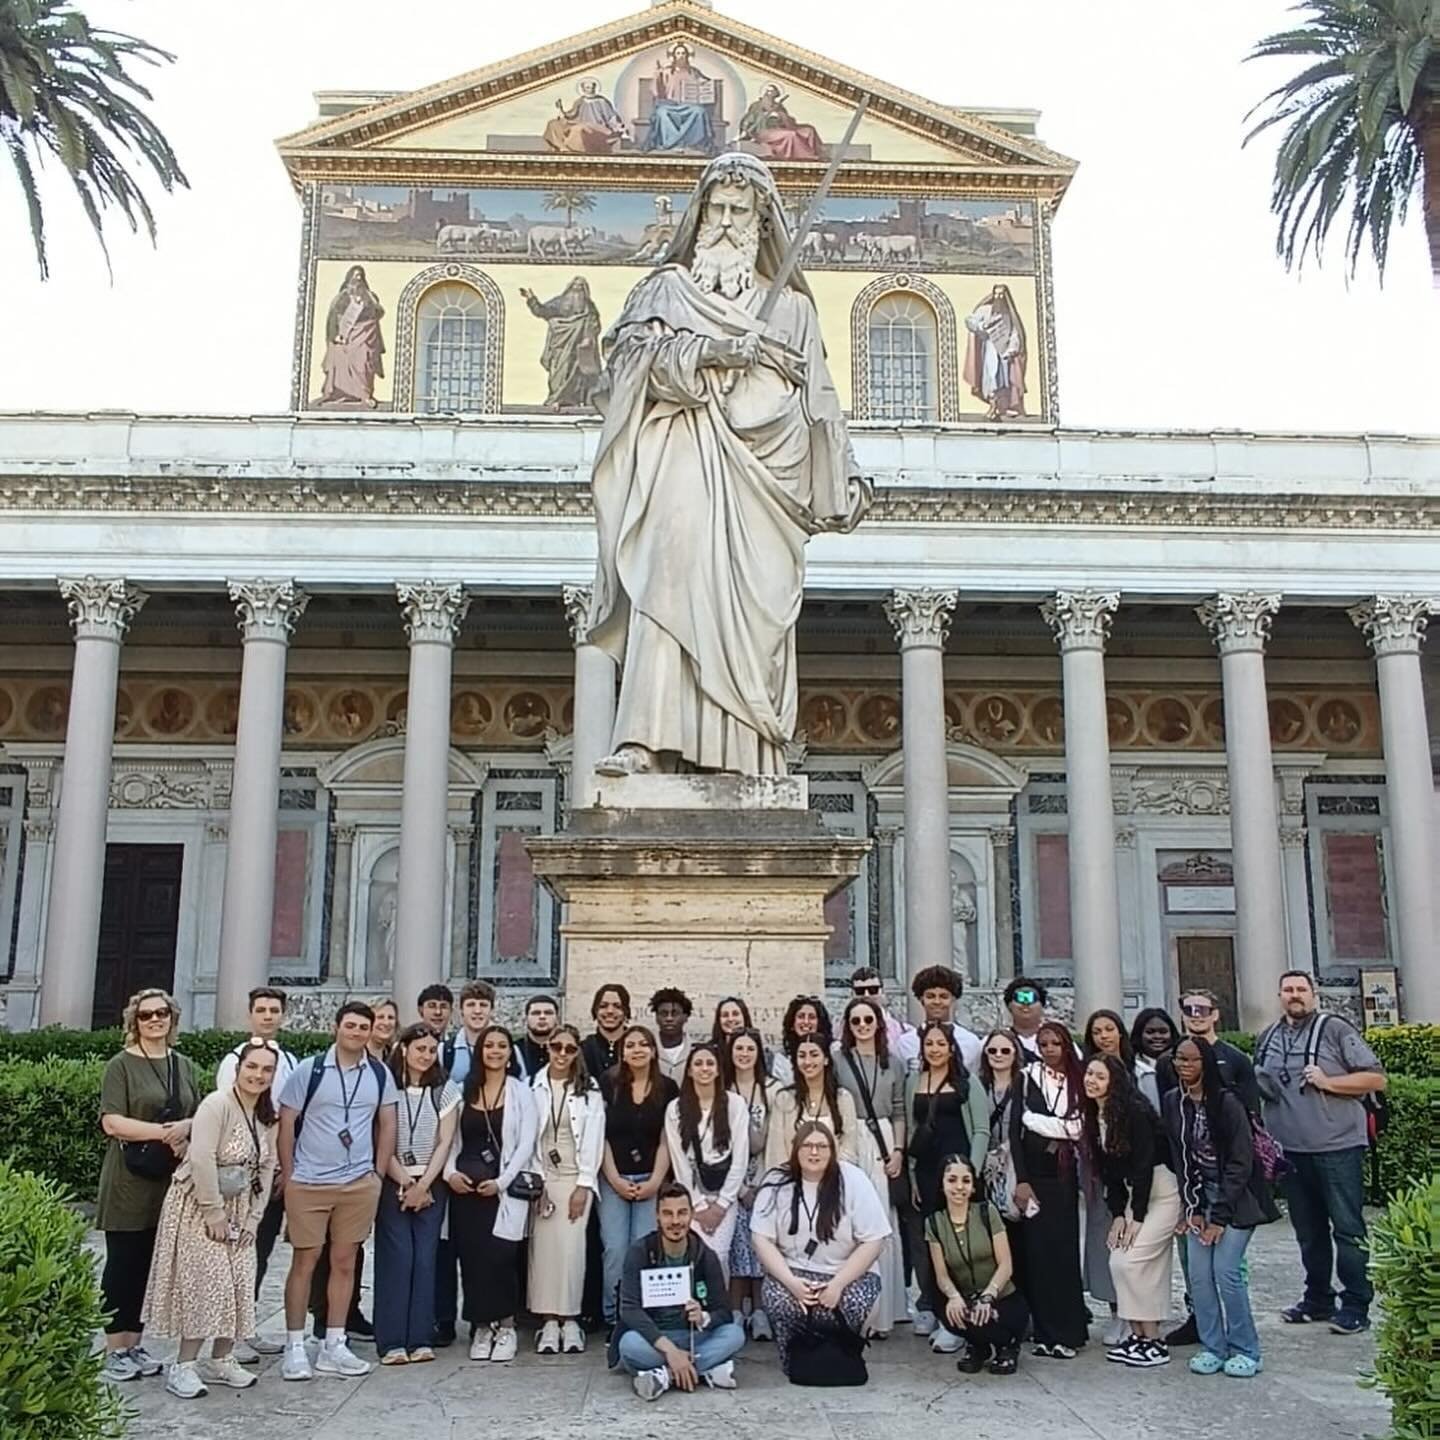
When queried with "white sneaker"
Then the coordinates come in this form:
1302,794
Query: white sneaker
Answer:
652,1384
572,1338
296,1364
119,1367
925,1322
144,1360
261,1346
245,1353
547,1342
505,1345
482,1342
184,1380
760,1326
228,1371
340,1359
722,1377
945,1342
1114,1332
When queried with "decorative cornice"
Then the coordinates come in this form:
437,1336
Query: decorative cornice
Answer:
101,609
433,611
1239,622
921,617
576,600
1394,624
1081,618
267,609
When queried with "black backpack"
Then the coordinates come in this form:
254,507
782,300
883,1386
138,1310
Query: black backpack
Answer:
827,1355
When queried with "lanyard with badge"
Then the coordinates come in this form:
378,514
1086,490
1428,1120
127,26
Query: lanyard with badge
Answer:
253,1127
556,1111
346,1101
407,1158
812,1213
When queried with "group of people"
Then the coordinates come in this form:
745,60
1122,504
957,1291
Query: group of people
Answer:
861,1173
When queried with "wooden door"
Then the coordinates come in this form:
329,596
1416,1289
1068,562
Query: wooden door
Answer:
1208,962
139,925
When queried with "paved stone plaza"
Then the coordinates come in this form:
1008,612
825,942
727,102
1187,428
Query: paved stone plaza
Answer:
1308,1389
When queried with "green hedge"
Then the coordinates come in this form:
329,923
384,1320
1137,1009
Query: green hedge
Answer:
50,1385
1402,1049
204,1047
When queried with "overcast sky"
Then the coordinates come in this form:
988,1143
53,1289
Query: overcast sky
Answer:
1172,308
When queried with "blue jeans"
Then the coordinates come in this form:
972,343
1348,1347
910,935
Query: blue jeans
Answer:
1325,1192
1221,1296
405,1246
622,1223
712,1347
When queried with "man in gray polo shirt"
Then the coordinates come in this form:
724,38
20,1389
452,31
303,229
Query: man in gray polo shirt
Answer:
1314,1071
337,1134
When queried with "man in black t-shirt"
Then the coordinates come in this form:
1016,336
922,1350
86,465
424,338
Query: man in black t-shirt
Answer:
610,1010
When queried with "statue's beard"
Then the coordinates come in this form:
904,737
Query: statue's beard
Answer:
725,260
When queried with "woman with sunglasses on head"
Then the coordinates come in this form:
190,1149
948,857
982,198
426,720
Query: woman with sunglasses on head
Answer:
1001,1062
1043,1144
148,1095
493,1143
1128,1151
974,1273
411,1212
571,1116
818,1227
707,1129
1104,1034
748,1078
202,1276
875,1081
942,1107
382,1032
815,1094
805,1017
636,1161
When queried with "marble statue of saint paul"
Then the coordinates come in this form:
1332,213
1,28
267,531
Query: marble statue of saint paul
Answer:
723,450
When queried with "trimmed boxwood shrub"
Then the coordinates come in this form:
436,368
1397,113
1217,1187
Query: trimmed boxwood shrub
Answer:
1402,1049
204,1047
50,1385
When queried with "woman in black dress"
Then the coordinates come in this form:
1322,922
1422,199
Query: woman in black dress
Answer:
1046,1129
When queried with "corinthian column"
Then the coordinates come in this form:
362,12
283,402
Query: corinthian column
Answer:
1081,622
594,696
1395,625
267,611
922,621
100,613
1240,625
433,613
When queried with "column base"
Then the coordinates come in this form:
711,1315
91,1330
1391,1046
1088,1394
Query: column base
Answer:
713,883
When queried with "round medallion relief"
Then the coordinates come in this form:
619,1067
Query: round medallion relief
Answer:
1047,720
527,714
124,711
997,719
350,713
1339,722
222,711
879,719
1168,721
1287,722
824,718
1212,720
470,713
170,711
48,710
301,712
1120,720
954,714
395,710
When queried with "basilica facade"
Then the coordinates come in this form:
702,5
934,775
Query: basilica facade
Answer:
283,695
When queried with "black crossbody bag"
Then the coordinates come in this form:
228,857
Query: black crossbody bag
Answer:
899,1185
154,1159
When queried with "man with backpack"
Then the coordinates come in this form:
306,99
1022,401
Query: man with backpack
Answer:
1316,1076
337,1134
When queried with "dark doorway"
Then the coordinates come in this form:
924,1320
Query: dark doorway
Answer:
1208,963
139,924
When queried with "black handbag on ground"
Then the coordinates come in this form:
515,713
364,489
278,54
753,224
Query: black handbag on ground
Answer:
827,1355
154,1159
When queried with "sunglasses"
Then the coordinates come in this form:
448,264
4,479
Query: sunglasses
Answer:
865,989
146,1015
1197,1010
999,1052
1025,997
862,1019
563,1047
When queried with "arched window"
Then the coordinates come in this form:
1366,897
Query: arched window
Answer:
451,341
903,381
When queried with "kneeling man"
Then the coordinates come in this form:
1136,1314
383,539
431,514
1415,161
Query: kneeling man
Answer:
676,1344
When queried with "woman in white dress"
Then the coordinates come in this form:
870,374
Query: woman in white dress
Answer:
749,1080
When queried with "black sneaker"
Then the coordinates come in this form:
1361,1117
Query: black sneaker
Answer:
1148,1354
444,1337
1004,1361
1347,1322
1124,1353
1302,1315
1186,1334
972,1362
357,1327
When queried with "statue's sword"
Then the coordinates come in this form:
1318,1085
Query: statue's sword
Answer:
812,214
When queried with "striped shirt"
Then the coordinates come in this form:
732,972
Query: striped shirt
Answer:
417,1122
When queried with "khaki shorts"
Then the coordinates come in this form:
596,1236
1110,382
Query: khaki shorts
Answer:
342,1213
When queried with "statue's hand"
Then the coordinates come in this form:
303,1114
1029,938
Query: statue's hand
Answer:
861,494
738,354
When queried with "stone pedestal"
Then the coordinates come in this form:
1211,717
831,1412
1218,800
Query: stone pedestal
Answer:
714,883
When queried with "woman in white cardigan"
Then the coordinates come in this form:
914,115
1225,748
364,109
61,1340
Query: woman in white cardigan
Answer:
494,1142
707,1129
571,1118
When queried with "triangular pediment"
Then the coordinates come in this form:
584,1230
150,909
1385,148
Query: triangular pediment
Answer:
675,82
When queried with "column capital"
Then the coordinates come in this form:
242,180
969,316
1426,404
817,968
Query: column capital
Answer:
1001,836
1394,624
433,611
1239,622
1292,837
576,600
1081,618
921,617
267,609
101,609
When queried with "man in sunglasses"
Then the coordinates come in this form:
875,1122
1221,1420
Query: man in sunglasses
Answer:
1200,1016
866,984
1026,1001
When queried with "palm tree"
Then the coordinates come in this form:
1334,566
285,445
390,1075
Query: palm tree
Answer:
571,202
65,93
1362,125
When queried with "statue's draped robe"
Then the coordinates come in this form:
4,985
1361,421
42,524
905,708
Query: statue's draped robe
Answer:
704,499
571,357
